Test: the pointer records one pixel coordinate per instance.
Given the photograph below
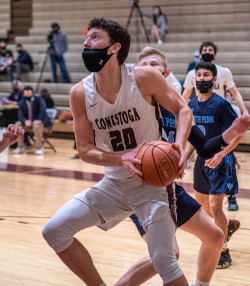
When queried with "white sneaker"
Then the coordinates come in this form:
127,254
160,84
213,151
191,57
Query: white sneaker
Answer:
18,150
39,151
191,284
159,42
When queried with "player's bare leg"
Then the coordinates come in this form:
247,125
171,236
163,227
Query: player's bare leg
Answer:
142,270
78,260
212,239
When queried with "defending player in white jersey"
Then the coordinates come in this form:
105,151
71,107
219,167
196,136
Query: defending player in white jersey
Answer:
208,52
118,102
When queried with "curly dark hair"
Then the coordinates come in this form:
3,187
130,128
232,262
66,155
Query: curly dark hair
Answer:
207,44
208,66
117,34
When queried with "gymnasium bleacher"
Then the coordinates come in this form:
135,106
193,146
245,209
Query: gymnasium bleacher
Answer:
226,22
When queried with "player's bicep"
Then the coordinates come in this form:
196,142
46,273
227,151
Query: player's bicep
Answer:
82,127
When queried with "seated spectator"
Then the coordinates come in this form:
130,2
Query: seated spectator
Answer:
6,60
229,97
16,94
192,65
23,63
32,116
46,96
197,60
160,26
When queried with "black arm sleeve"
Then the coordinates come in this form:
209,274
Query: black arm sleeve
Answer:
206,148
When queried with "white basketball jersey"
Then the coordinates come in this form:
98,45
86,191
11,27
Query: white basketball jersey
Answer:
122,126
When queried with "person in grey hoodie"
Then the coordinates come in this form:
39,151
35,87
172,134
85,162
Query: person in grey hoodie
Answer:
160,26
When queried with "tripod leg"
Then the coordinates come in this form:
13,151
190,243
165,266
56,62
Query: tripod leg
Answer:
42,70
143,24
130,16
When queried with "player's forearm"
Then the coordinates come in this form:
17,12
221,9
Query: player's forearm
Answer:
231,146
3,145
184,124
189,150
186,94
93,155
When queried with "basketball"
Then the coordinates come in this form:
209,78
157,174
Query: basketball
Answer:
159,163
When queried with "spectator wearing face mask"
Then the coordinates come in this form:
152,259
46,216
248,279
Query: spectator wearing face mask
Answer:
196,61
192,65
208,52
16,94
46,96
32,116
24,63
6,60
59,45
160,26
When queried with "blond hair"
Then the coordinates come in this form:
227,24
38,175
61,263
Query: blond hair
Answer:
149,51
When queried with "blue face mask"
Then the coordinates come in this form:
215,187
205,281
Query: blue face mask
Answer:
228,100
197,60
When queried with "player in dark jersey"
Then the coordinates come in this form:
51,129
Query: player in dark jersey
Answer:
189,215
216,177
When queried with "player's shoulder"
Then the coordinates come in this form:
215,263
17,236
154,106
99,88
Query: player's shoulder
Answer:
77,90
222,70
191,73
193,101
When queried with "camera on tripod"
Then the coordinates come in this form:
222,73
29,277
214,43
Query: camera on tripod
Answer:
50,40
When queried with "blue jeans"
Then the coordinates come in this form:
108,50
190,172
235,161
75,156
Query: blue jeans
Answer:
59,59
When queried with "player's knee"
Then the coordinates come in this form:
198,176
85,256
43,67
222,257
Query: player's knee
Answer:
165,263
216,209
57,237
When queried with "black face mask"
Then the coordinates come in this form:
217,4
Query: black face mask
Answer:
15,90
3,48
28,98
204,86
19,52
95,59
207,57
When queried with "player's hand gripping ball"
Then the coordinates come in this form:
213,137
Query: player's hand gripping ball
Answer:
159,163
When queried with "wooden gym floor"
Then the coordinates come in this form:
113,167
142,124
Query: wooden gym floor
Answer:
33,188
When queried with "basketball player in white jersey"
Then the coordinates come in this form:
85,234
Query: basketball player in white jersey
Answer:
208,52
10,136
118,102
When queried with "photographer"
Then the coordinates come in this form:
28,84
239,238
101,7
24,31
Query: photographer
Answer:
58,46
23,63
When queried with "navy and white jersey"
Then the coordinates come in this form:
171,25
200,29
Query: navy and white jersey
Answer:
212,116
168,125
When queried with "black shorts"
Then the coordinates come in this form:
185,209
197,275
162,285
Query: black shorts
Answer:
186,207
220,180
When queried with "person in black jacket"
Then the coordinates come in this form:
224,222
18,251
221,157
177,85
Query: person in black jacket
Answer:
46,96
23,63
32,116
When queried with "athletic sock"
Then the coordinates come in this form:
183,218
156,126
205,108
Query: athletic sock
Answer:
228,220
199,283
